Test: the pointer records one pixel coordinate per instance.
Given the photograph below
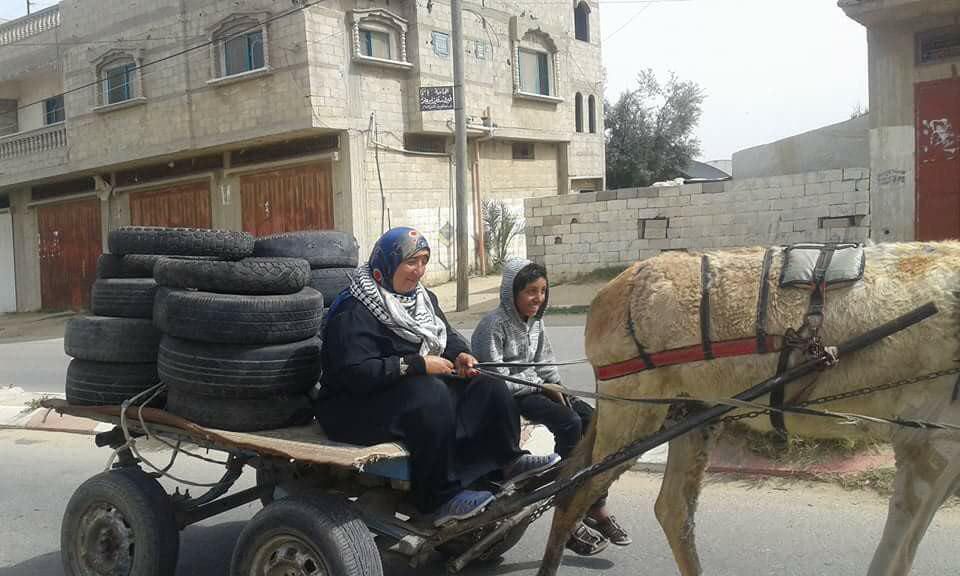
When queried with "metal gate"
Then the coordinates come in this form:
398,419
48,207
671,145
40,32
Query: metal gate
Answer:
182,206
290,199
8,277
938,159
69,246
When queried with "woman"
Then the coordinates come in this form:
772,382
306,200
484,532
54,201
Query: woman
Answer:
389,356
515,332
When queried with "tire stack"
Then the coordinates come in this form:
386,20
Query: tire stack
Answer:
114,350
333,256
239,349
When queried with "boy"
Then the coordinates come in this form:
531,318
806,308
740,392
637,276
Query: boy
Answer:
514,332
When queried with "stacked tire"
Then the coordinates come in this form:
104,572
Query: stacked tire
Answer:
332,255
239,349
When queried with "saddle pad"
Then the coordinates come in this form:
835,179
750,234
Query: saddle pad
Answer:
800,260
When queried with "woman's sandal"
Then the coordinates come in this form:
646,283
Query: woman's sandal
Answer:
586,541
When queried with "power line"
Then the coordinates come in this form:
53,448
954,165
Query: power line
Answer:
187,50
629,20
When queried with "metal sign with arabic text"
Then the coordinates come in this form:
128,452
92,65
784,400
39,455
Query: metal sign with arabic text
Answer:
436,98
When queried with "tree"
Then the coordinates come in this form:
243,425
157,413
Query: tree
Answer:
649,131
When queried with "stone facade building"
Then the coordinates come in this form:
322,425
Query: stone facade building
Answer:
272,115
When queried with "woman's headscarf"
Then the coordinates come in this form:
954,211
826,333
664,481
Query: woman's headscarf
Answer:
411,315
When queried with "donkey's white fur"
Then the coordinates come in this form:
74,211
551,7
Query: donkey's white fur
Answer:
663,295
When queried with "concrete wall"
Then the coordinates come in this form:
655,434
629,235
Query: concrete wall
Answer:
835,146
576,234
34,89
8,286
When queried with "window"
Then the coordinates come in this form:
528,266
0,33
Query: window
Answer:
239,45
425,143
243,53
578,111
592,113
581,22
53,110
523,151
380,38
480,49
938,45
534,72
375,44
441,43
118,83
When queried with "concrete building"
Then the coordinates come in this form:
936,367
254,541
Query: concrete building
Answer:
272,115
914,51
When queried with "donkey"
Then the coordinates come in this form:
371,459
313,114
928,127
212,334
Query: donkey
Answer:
656,304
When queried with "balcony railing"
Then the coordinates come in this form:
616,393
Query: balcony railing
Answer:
40,140
29,25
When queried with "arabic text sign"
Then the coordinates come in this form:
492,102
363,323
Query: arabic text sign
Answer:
436,98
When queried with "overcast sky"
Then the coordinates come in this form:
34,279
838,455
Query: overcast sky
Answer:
770,68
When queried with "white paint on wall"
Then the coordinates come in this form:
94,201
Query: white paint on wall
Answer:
8,289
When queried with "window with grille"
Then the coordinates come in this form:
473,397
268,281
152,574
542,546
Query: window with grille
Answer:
441,43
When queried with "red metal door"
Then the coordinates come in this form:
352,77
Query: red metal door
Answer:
182,206
69,246
286,200
938,159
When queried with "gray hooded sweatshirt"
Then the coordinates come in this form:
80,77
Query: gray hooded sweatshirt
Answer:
502,336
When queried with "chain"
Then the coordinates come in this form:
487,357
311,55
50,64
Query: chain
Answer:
853,393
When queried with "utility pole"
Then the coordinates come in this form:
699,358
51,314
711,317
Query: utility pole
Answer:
28,7
460,155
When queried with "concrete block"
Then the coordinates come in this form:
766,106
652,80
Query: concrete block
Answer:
550,220
843,186
648,192
863,184
606,195
862,208
682,200
842,210
657,203
528,211
713,187
656,233
855,173
610,257
856,196
590,237
832,175
637,203
585,197
691,189
568,199
660,244
535,251
765,194
657,224
535,221
791,191
617,205
580,228
532,202
551,249
650,213
555,230
553,259
550,201
668,191
815,189
626,193
583,218
542,211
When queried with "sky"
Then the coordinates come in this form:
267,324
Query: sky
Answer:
770,68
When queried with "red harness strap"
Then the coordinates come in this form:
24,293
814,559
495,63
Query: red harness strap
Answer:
696,353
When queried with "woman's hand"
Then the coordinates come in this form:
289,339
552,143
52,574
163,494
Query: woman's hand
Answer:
465,365
438,365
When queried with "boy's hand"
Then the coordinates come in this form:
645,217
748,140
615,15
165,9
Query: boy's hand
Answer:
465,365
554,392
438,365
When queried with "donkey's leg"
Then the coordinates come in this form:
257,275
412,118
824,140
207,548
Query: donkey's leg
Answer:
928,472
679,492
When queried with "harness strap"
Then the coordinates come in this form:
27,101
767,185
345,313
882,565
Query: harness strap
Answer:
705,307
762,301
811,325
641,351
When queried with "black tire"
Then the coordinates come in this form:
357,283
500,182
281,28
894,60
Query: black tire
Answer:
226,244
456,547
240,415
248,276
105,339
108,383
321,248
325,531
119,522
132,266
331,281
238,319
232,371
123,297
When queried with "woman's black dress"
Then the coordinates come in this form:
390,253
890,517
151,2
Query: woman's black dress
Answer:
457,430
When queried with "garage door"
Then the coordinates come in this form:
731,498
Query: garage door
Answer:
8,287
278,201
68,249
183,206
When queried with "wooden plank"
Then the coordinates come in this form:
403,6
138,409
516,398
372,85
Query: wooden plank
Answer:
938,159
185,205
69,246
285,200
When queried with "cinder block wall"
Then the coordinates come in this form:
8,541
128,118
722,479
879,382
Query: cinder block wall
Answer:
579,233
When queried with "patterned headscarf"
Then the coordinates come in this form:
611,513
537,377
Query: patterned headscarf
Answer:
411,315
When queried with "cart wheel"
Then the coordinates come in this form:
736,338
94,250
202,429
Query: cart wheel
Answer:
306,536
120,523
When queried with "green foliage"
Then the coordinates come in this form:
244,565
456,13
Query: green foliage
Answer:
501,226
649,131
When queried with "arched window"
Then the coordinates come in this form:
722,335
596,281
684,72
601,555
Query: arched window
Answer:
578,111
239,45
581,22
592,113
379,37
535,66
118,78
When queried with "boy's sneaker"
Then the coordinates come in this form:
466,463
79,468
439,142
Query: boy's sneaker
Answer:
586,541
528,465
610,529
466,504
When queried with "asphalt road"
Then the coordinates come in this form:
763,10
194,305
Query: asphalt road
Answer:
743,529
41,366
